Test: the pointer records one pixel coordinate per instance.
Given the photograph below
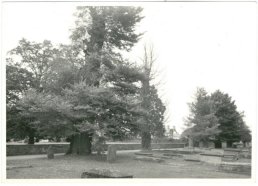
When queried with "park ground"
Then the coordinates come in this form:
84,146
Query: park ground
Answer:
72,166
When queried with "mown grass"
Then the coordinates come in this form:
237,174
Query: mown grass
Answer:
72,166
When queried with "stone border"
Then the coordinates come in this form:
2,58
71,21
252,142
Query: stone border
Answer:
206,154
215,159
24,149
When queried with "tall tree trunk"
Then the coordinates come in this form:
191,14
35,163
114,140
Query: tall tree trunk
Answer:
146,135
31,140
146,141
218,144
31,134
80,144
58,139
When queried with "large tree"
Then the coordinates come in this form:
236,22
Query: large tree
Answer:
99,34
229,118
18,80
27,67
85,112
215,117
87,90
202,123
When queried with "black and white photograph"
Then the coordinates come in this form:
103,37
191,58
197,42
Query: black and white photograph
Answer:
128,90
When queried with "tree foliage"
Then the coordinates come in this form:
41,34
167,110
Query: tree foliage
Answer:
202,123
152,122
215,117
18,80
231,121
99,34
35,58
106,27
156,113
97,93
36,66
86,91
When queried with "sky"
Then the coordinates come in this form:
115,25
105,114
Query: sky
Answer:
209,45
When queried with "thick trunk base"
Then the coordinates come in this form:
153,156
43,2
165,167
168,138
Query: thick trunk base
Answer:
218,144
146,141
80,144
31,140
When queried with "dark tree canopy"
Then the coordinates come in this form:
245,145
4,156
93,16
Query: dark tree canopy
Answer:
85,91
106,27
35,58
36,66
202,122
156,113
63,93
228,117
215,117
18,80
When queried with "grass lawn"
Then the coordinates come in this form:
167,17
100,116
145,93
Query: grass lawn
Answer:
72,166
